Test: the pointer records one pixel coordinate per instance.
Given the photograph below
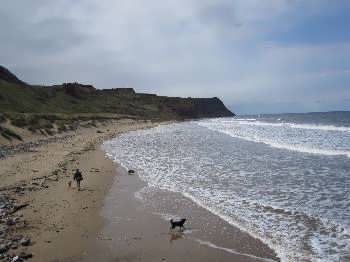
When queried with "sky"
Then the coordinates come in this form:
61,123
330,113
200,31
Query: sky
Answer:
258,56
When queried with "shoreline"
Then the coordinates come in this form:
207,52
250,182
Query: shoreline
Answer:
137,229
66,225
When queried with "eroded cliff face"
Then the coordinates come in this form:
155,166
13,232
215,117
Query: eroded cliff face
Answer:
198,107
17,96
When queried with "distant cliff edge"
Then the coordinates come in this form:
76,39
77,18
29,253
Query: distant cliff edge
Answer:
20,97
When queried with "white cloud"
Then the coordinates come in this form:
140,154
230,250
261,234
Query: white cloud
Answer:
183,48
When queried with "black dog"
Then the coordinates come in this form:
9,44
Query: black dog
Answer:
179,223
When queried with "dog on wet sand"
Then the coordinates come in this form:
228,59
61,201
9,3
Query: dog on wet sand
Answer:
180,223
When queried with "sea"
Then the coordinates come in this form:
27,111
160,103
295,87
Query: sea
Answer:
283,178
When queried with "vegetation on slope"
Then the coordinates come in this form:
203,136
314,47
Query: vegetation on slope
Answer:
59,106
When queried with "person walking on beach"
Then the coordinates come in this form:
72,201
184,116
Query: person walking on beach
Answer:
78,177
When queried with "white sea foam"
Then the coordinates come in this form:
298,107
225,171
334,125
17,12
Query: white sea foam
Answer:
233,222
167,216
314,139
232,251
290,201
254,122
309,149
321,127
291,147
243,119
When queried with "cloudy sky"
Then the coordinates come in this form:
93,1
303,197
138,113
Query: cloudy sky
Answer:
259,56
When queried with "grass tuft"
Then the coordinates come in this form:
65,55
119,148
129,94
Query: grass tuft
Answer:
9,134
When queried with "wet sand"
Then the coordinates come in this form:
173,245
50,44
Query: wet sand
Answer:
135,230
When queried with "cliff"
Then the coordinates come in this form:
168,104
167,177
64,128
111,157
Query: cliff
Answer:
17,96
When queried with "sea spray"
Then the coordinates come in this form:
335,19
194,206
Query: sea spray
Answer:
297,202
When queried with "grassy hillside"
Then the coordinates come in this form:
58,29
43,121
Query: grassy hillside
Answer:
76,98
41,107
31,99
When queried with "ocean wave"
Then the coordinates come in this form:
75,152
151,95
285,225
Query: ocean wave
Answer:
276,203
245,119
308,150
327,234
215,211
274,143
279,250
292,125
167,216
296,148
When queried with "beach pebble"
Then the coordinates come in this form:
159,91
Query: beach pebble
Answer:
19,189
16,259
25,241
17,238
3,248
25,256
10,222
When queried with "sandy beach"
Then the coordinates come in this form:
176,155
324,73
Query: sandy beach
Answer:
64,224
58,220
